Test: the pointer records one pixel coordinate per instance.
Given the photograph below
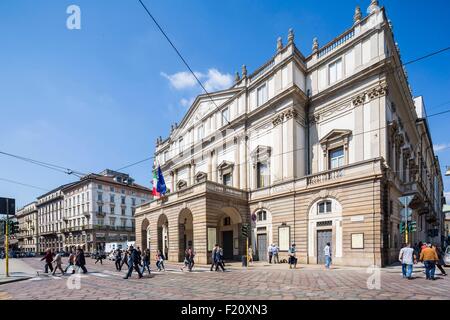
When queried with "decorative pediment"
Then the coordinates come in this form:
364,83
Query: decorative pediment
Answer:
261,153
225,165
200,176
336,134
181,184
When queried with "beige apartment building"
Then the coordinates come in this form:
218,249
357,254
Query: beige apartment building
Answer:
28,236
306,150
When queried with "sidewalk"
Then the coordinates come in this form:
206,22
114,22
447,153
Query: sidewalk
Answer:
18,270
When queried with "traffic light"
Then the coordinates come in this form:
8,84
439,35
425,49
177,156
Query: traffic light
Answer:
245,230
15,227
402,227
412,226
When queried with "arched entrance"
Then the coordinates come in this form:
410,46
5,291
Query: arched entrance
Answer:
185,232
229,232
163,235
145,234
325,226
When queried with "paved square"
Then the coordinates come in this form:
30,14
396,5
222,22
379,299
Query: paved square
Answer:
258,282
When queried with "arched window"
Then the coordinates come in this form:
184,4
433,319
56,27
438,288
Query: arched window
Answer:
324,207
261,215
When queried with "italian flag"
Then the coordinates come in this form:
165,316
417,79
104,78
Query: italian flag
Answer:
155,183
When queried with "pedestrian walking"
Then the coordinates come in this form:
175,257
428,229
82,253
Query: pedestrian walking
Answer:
139,252
186,260
133,262
100,257
440,262
407,257
48,257
80,260
429,257
160,261
71,261
124,260
250,255
270,252
220,260
214,257
58,264
118,259
275,251
292,256
327,254
191,254
146,261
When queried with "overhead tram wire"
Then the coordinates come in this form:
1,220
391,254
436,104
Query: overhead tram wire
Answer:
45,165
23,184
181,57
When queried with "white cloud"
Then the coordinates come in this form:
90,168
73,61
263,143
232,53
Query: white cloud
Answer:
441,146
186,102
213,80
218,81
181,80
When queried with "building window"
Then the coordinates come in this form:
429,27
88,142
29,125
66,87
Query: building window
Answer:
100,209
263,175
261,95
166,156
225,116
100,196
123,200
99,186
112,209
324,207
261,215
180,145
226,178
335,71
123,211
227,221
336,157
200,132
133,201
111,198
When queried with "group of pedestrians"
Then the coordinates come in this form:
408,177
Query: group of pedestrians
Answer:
53,261
429,254
217,260
137,260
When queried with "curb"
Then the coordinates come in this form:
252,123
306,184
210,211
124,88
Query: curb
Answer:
13,279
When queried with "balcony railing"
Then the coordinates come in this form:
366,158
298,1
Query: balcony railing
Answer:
337,42
325,176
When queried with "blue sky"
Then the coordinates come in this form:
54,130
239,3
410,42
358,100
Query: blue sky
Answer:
98,97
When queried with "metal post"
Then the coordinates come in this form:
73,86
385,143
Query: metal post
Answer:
406,220
246,252
7,239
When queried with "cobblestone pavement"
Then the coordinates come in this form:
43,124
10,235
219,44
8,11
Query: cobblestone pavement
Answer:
272,282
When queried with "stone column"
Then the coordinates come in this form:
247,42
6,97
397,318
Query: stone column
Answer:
214,166
172,182
277,154
210,166
192,173
237,164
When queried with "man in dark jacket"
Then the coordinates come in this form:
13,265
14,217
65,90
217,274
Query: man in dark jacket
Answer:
80,261
48,257
118,259
133,262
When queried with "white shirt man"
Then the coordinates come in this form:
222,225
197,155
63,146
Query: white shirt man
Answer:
407,258
270,252
327,254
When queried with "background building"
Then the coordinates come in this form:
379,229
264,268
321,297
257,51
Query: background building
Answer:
307,149
28,237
